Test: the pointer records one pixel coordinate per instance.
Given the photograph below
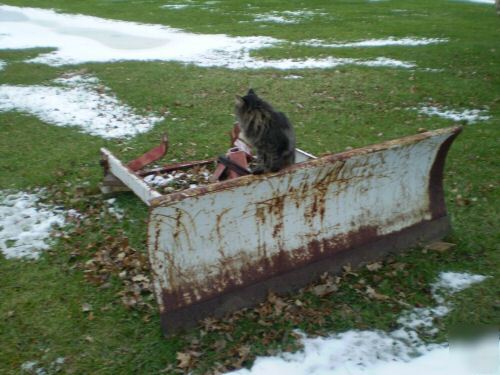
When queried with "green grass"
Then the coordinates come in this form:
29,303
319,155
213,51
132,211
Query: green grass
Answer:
40,302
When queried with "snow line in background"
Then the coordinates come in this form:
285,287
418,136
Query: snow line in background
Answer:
26,224
81,39
287,16
377,352
391,41
207,5
77,101
492,2
468,115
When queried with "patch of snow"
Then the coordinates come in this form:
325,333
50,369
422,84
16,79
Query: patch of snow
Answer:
452,282
157,180
287,16
391,41
293,76
74,214
492,2
432,70
328,62
189,4
26,224
422,318
80,39
274,19
76,80
79,101
386,62
32,367
375,352
468,115
175,6
2,64
114,210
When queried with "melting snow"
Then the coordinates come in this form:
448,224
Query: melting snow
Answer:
376,352
391,41
175,6
34,367
286,16
114,209
77,101
25,224
481,1
468,115
80,39
2,64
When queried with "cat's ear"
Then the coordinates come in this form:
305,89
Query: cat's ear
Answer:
251,92
238,100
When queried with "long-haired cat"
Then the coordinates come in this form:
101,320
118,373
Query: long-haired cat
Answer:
267,130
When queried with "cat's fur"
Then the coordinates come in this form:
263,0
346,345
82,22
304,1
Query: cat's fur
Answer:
267,130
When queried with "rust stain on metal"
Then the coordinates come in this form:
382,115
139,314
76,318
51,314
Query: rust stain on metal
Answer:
328,159
233,277
301,216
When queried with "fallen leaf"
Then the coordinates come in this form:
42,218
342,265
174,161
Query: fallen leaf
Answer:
373,294
348,270
184,360
374,266
219,345
324,289
277,303
440,246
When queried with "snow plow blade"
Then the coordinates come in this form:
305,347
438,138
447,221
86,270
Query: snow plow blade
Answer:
220,247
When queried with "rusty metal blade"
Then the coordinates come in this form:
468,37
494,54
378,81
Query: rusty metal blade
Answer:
220,247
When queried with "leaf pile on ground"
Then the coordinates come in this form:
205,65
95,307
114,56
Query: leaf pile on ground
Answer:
274,323
115,257
109,259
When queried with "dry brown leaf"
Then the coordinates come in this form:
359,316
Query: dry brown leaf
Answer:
184,360
399,266
324,289
263,323
219,345
277,302
348,270
440,246
373,294
243,351
374,266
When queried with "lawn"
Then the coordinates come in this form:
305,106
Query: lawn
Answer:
41,301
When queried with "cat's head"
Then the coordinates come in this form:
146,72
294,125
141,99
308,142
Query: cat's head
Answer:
248,103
